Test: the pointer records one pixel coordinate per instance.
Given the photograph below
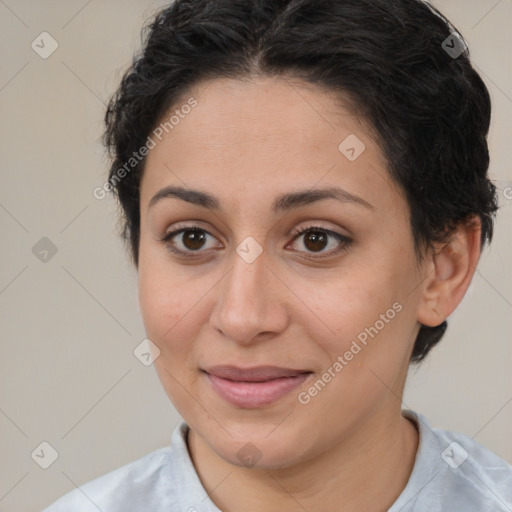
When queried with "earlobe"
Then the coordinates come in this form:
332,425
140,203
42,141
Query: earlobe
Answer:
450,269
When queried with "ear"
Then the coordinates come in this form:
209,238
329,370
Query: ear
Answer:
449,269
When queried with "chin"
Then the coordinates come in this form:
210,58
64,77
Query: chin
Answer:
254,448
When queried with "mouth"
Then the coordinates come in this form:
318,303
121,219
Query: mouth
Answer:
254,387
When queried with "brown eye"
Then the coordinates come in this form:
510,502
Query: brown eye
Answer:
316,239
192,239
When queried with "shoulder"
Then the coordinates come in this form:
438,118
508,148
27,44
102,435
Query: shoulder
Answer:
452,471
161,481
485,477
130,487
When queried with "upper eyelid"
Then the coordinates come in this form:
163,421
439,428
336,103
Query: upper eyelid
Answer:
341,238
295,232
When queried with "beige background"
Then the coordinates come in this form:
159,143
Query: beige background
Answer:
68,375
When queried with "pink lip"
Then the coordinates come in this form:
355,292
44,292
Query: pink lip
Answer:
254,387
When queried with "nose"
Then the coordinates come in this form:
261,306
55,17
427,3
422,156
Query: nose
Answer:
250,306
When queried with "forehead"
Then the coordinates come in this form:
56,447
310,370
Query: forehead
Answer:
262,136
264,112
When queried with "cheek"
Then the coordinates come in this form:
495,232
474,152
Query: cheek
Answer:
164,300
345,307
362,323
169,309
363,366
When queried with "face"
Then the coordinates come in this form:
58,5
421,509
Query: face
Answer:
268,273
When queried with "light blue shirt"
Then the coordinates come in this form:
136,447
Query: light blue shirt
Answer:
451,473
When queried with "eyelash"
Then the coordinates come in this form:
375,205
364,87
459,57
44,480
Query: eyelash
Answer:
342,239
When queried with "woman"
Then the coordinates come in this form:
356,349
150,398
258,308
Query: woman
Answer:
305,196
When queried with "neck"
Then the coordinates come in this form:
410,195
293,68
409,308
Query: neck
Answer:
366,471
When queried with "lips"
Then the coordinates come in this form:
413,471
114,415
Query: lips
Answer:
255,374
254,387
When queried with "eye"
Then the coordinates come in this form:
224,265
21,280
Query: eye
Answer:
192,239
317,239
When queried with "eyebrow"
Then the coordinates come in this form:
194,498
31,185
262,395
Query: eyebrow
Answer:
282,203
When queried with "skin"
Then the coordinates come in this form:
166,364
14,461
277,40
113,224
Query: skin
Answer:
349,448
